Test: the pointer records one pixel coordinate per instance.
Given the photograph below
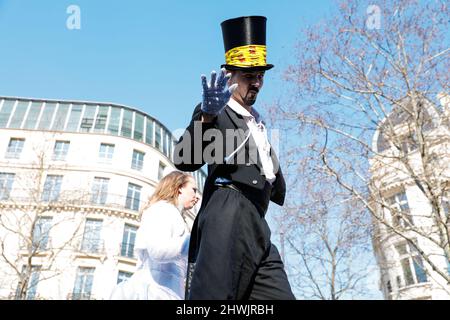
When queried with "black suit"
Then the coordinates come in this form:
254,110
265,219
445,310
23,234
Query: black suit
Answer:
230,242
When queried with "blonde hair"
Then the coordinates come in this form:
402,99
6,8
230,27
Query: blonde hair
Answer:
168,188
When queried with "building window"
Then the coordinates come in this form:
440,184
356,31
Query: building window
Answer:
161,168
52,188
60,150
88,119
33,115
47,116
100,120
106,152
41,233
5,112
6,182
149,131
74,118
399,209
389,286
99,190
448,266
15,147
60,118
133,197
83,284
129,237
33,281
137,162
92,236
411,263
398,279
158,136
114,121
19,113
127,123
138,127
123,275
446,203
166,144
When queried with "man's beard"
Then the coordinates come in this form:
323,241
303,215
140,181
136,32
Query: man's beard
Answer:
250,98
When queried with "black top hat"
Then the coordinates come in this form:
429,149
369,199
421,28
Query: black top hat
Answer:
244,39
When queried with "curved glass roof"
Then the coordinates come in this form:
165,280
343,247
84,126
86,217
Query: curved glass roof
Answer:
88,117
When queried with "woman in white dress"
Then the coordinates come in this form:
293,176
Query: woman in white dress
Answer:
162,243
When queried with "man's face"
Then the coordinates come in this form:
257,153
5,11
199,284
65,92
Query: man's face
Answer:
249,84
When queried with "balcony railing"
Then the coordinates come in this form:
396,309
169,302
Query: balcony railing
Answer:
92,246
80,296
72,198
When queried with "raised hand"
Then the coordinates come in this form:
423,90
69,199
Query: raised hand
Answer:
216,94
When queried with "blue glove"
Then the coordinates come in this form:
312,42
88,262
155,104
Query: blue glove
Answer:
217,94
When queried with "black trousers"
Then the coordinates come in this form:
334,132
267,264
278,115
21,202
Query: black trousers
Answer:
235,259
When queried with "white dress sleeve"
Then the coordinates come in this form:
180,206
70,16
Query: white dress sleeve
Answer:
162,233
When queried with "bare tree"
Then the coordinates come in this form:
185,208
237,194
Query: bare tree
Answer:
367,108
328,237
28,218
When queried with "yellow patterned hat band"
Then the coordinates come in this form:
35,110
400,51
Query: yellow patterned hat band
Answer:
247,56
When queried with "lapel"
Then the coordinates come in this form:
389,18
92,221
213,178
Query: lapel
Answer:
238,122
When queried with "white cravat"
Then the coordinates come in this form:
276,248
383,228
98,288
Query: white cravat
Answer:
259,134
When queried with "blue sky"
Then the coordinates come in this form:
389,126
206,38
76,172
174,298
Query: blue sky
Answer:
145,54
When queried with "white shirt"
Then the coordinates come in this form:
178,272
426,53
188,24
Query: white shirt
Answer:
259,134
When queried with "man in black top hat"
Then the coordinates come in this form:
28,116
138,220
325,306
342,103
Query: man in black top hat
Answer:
231,255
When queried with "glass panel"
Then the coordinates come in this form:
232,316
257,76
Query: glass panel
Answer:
61,116
133,197
161,168
165,144
138,160
401,249
113,126
15,147
41,233
47,116
123,275
100,190
128,240
83,284
106,151
100,121
6,182
33,114
6,112
170,149
52,187
19,114
127,122
60,150
33,282
138,127
407,273
419,269
88,118
149,131
74,118
92,236
158,142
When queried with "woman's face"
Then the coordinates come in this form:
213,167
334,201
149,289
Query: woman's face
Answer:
188,194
